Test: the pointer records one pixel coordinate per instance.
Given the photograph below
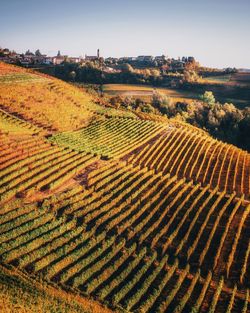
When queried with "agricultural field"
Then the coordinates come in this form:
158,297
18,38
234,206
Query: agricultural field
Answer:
220,79
240,78
28,100
224,87
19,78
49,103
19,295
230,88
124,213
110,138
15,125
146,92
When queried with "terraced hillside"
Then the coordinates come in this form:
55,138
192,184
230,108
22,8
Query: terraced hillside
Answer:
137,215
19,293
168,148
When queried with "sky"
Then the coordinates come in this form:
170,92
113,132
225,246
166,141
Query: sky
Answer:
215,32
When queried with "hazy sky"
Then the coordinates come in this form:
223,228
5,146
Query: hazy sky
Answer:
216,32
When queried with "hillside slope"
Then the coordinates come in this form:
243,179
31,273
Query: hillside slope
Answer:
20,294
44,101
140,215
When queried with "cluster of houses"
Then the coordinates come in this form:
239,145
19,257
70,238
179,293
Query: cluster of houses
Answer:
30,58
169,64
37,58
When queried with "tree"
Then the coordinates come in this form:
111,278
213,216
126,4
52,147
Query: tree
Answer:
163,103
38,53
128,102
244,130
208,97
116,101
127,68
72,75
191,76
147,108
155,72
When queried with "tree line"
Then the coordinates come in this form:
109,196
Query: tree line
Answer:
222,121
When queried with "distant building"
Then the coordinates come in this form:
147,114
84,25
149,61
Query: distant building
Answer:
161,59
74,59
48,60
59,59
8,56
24,62
90,57
132,59
6,51
107,69
188,59
176,65
111,60
191,59
28,53
145,58
93,57
123,60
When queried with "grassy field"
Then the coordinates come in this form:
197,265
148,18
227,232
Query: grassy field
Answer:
218,79
240,79
231,88
146,92
178,95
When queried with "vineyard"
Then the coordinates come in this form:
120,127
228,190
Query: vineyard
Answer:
167,148
112,138
13,124
32,164
134,214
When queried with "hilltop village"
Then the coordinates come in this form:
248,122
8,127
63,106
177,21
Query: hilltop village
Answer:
37,58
